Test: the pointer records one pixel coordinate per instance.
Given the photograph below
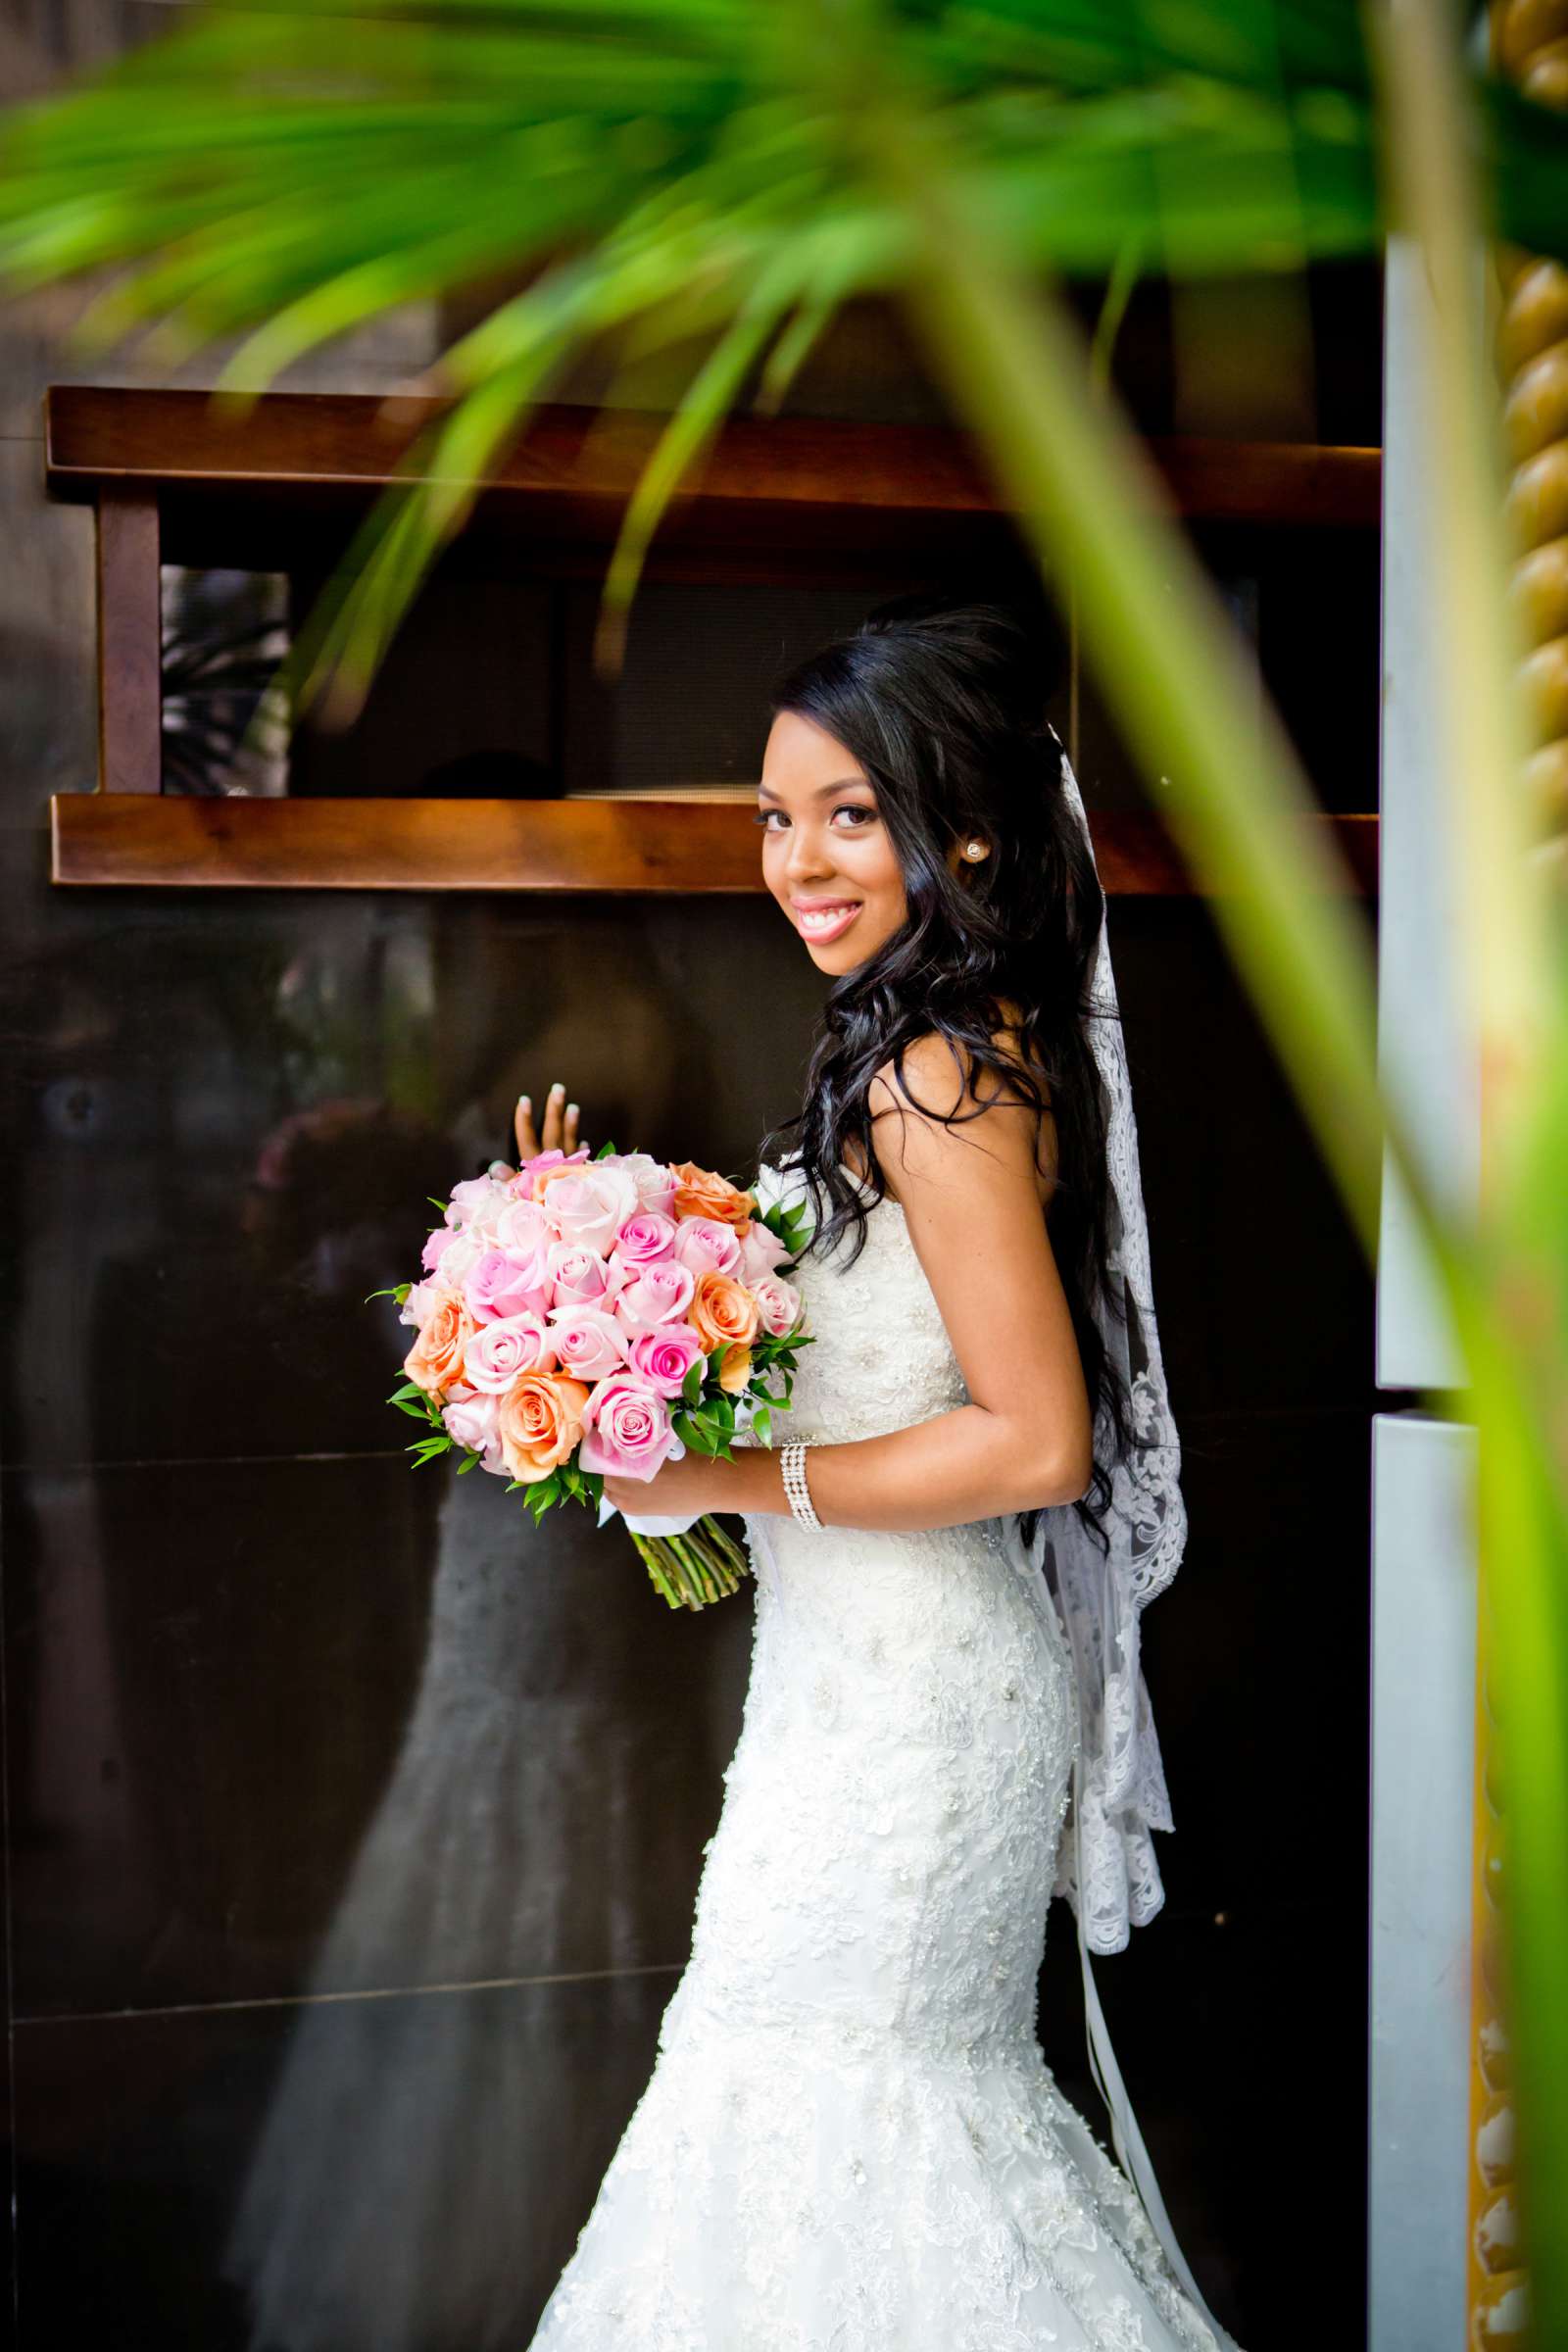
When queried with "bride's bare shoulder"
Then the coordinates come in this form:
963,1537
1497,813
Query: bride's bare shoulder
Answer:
935,1088
1009,1041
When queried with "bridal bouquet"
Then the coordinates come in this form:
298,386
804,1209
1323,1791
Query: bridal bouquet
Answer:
585,1317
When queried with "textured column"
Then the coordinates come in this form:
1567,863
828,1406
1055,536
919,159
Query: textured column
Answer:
1530,43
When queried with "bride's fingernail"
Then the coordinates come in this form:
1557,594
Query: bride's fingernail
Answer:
558,1088
573,1108
524,1103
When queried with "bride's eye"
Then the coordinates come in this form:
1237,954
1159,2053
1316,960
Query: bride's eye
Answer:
764,817
861,814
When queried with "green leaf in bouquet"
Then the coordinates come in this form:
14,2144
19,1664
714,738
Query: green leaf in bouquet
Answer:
763,1424
465,1467
593,1486
693,1432
417,1411
541,1494
690,1386
442,1206
794,1227
398,1291
605,1152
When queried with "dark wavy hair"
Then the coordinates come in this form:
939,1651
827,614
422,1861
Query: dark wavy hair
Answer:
942,705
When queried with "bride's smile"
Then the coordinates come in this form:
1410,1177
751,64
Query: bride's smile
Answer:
827,856
823,919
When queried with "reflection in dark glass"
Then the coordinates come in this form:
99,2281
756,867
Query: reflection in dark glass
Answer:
526,1828
223,635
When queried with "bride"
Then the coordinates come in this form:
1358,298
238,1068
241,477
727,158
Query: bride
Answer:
850,2141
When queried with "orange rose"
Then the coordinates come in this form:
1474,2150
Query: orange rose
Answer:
734,1370
435,1360
699,1193
723,1313
539,1422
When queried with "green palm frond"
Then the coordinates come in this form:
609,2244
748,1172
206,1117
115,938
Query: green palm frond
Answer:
284,175
280,176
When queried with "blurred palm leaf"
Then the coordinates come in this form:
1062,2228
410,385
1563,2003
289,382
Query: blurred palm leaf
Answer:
665,169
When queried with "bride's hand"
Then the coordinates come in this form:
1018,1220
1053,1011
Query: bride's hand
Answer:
557,1133
748,1480
691,1484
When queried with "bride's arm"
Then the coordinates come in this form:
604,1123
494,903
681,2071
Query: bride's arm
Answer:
971,1202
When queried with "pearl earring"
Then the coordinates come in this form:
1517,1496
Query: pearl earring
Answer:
975,849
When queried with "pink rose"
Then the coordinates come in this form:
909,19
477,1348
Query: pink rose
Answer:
497,1353
435,1248
526,1185
646,1239
589,1205
419,1305
778,1303
579,1277
521,1227
627,1430
708,1246
588,1342
468,1199
664,1356
501,1285
460,1256
471,1422
761,1251
655,1181
660,1294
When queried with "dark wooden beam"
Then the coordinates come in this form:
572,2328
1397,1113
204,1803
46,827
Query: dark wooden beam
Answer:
616,845
580,462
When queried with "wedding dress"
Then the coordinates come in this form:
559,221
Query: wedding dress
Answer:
850,2141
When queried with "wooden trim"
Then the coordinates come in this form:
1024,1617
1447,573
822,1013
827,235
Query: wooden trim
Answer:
606,846
130,689
583,460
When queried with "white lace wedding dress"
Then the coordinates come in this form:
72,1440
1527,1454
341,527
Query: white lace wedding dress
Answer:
850,2141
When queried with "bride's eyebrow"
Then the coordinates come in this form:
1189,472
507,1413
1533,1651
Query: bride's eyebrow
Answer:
819,791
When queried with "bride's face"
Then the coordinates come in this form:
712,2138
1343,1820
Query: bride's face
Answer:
827,856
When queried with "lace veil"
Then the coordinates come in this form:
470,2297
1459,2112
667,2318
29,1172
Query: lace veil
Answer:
1107,1872
1105,1869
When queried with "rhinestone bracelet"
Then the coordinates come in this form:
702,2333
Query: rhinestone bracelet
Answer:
798,1494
